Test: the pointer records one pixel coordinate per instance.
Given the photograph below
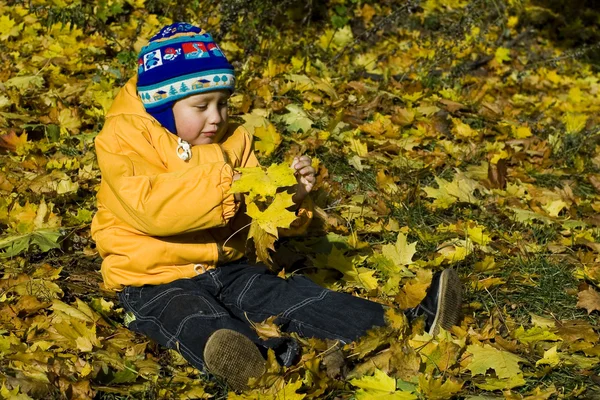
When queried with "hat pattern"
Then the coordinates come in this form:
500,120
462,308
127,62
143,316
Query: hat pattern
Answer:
179,61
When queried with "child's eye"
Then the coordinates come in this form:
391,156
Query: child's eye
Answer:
201,107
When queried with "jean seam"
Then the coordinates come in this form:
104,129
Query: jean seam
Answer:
245,290
171,338
158,296
304,303
333,335
210,306
163,331
214,275
199,315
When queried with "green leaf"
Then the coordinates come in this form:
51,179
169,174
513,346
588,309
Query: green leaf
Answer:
45,239
296,120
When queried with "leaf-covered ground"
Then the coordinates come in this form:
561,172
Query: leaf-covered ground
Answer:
453,133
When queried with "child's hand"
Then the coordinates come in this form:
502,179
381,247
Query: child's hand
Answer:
305,174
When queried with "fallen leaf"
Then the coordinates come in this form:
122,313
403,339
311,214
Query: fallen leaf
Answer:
589,299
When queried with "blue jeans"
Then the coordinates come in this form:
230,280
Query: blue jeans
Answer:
184,313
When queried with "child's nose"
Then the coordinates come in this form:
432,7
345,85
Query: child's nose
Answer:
215,116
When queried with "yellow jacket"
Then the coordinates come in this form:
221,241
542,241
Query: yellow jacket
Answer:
161,218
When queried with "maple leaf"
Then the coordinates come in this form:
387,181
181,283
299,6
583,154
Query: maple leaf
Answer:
551,357
439,353
414,291
296,119
361,277
336,39
257,118
400,254
521,132
589,299
23,83
505,364
502,54
379,386
261,183
263,242
461,188
269,139
13,142
574,122
463,130
438,388
275,216
267,328
535,334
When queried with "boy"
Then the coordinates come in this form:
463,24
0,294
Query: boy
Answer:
167,156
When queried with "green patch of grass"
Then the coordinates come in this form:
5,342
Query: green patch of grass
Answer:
549,181
538,285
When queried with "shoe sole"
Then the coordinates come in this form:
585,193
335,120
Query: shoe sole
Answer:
449,302
233,357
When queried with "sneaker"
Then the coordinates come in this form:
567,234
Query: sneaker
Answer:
441,306
233,357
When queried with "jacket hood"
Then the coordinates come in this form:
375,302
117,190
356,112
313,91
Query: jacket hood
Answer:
127,102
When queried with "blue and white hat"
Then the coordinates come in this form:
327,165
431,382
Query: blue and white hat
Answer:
179,61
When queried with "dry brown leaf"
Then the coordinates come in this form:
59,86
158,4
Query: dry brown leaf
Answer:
589,299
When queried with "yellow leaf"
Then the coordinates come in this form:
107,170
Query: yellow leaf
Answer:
379,386
380,126
275,216
267,328
488,264
501,384
23,83
402,252
69,121
438,354
550,358
260,183
553,208
521,132
502,54
258,117
485,357
574,122
460,189
462,130
534,335
269,139
477,235
360,148
536,320
433,388
455,250
336,39
360,277
413,291
8,27
575,95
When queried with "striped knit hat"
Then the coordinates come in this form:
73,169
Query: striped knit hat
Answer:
179,61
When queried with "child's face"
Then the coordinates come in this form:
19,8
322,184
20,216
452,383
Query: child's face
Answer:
202,118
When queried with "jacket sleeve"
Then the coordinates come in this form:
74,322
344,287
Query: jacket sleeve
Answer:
164,203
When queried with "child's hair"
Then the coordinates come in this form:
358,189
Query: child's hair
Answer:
179,61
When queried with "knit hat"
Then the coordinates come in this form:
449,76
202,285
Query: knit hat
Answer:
179,61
